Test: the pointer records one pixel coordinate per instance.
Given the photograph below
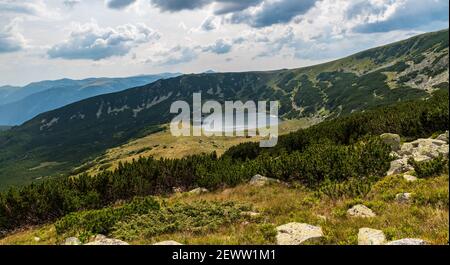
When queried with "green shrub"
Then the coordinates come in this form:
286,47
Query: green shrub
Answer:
430,168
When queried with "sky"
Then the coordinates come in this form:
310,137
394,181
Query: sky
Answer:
47,40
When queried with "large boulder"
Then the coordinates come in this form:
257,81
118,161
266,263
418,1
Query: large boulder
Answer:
298,233
392,140
407,241
399,166
103,240
73,241
258,180
403,197
168,243
360,210
369,236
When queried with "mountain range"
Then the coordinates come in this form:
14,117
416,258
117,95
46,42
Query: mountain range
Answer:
19,104
56,141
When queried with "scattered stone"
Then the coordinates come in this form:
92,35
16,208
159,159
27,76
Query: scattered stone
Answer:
360,210
72,241
369,236
298,233
392,140
37,239
409,178
251,214
103,240
198,191
407,241
258,180
168,243
403,197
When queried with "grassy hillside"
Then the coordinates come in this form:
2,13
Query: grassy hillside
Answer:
81,131
201,219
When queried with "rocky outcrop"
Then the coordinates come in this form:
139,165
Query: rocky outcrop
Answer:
443,137
392,140
103,240
369,236
360,210
298,233
72,241
259,180
407,241
168,243
420,150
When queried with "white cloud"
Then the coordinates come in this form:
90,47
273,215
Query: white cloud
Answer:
90,41
10,39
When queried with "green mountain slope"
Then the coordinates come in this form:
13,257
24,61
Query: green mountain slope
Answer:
56,141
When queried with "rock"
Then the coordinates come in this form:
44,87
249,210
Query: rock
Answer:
443,137
251,214
399,166
369,236
393,140
298,233
407,241
360,210
168,243
258,180
72,241
37,239
103,240
198,191
409,178
403,197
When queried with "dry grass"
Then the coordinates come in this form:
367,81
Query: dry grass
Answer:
426,217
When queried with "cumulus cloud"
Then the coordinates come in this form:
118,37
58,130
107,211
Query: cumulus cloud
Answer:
208,24
231,6
221,46
176,55
71,3
272,12
31,7
10,39
119,4
388,15
179,5
89,41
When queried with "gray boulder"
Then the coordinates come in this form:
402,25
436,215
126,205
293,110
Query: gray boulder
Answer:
403,197
443,137
360,210
399,166
259,180
409,178
369,236
103,240
298,233
392,140
198,191
73,241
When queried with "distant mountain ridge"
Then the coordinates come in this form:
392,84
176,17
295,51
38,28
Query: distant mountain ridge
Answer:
57,141
19,104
